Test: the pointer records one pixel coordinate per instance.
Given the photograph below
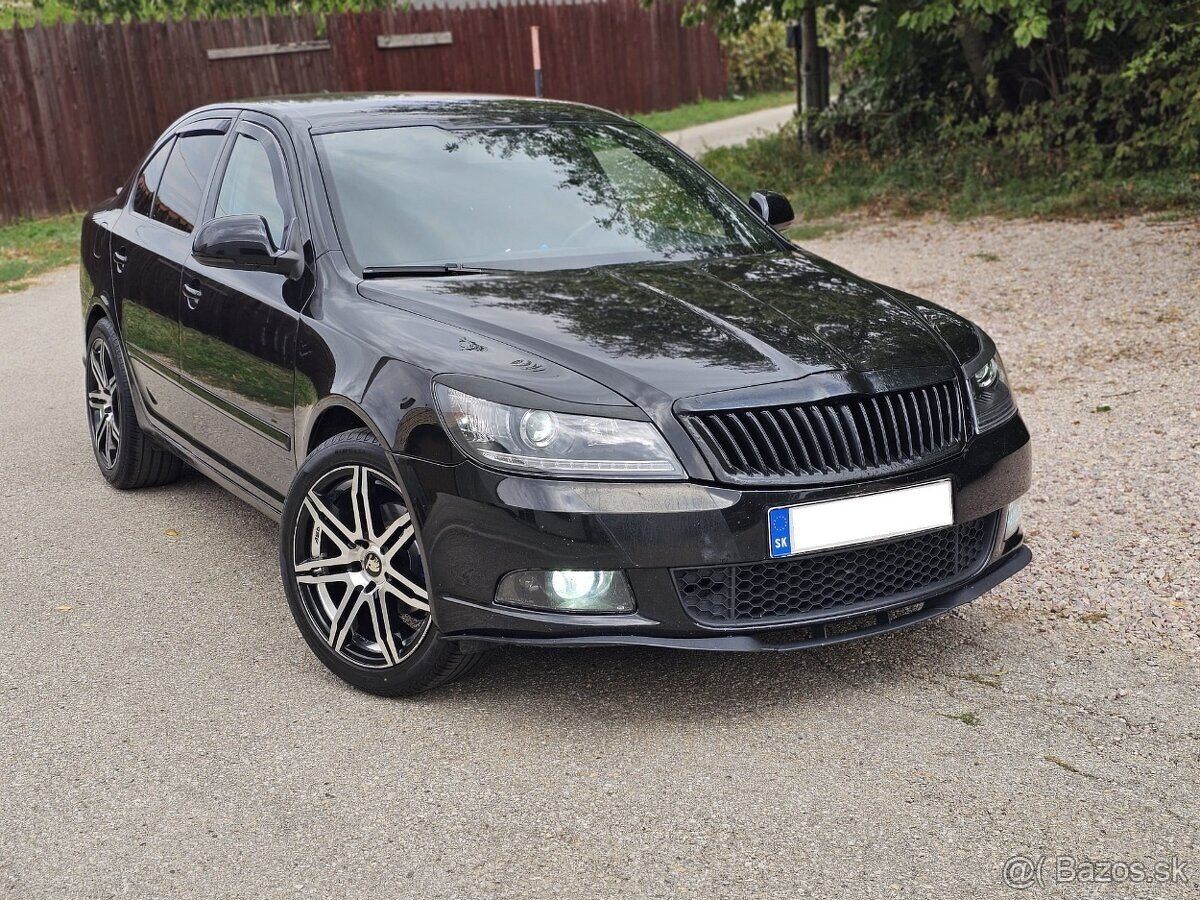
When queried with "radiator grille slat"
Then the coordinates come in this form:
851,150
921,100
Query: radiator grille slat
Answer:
843,436
837,583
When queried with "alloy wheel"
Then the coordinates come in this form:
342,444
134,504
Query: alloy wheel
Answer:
103,403
358,568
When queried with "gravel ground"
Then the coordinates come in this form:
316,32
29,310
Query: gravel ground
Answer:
164,732
1099,326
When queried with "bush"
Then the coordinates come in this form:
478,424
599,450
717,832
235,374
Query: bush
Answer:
1093,86
758,59
968,178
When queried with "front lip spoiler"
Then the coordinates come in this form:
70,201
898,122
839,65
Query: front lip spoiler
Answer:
999,571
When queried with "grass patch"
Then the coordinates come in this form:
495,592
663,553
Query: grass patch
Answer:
961,182
987,680
34,246
810,231
711,111
1063,764
967,718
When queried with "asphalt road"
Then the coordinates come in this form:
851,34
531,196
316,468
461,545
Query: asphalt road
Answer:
164,731
731,132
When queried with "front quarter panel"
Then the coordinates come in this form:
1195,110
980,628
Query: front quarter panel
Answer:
381,360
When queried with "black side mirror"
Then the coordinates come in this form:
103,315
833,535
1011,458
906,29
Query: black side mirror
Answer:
772,208
244,242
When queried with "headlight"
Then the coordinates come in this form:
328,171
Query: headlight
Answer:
990,393
554,443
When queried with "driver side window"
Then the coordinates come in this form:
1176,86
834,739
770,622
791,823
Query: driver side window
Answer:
254,184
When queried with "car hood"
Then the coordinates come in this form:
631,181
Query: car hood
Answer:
656,331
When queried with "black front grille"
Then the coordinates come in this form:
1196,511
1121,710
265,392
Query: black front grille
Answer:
833,438
839,582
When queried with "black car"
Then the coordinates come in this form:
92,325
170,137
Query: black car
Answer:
513,371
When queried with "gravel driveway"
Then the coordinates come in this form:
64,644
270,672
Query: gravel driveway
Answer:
165,732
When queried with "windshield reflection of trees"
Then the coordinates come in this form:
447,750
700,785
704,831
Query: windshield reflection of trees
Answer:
637,187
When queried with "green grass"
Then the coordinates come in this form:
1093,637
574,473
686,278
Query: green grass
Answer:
711,111
34,246
967,718
1063,764
965,182
26,14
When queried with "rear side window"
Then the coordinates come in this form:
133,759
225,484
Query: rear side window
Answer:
183,180
148,179
254,184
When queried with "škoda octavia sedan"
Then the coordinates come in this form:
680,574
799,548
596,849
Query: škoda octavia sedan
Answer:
520,371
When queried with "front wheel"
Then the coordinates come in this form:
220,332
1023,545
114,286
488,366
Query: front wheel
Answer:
354,575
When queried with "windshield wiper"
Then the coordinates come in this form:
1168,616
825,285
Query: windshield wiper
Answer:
433,271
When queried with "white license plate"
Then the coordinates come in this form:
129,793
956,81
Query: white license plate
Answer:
859,520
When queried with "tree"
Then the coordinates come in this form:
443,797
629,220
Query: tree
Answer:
1119,75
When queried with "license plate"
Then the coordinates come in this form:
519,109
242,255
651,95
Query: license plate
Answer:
859,520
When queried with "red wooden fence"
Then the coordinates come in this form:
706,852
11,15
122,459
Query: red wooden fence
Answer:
79,104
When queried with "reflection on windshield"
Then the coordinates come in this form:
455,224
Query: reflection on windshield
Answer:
570,194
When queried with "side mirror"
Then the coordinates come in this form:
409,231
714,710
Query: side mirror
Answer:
772,208
244,242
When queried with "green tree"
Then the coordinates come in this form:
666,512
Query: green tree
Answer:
1116,81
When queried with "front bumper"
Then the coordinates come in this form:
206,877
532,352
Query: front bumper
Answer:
477,526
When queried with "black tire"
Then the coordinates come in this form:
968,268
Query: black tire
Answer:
354,574
128,457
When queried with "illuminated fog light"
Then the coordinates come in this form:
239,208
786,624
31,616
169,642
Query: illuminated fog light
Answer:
569,591
572,586
1012,519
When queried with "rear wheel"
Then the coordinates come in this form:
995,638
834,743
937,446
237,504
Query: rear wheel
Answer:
354,575
127,456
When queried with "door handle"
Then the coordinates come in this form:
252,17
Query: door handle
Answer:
120,257
192,293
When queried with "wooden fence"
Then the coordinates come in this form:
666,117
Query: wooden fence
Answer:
80,104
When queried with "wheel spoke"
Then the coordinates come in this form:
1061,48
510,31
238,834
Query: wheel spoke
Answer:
328,521
346,578
419,603
98,399
343,617
360,500
105,444
98,368
325,562
396,535
383,629
409,584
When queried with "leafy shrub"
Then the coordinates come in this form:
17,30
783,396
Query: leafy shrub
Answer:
1092,86
758,59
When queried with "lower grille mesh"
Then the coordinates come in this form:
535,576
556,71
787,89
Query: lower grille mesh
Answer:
840,582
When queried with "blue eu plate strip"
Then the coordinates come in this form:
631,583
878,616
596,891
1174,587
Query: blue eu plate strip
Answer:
780,521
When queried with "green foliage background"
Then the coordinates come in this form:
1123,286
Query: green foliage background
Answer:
1107,87
757,58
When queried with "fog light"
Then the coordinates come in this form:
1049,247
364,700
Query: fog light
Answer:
1012,519
569,591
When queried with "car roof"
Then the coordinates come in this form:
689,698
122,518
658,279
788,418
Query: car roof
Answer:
347,112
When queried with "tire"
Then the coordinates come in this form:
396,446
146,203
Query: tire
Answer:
128,457
354,575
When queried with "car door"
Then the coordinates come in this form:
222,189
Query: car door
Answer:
151,240
238,328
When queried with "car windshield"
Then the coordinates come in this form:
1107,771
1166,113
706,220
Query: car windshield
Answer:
547,197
